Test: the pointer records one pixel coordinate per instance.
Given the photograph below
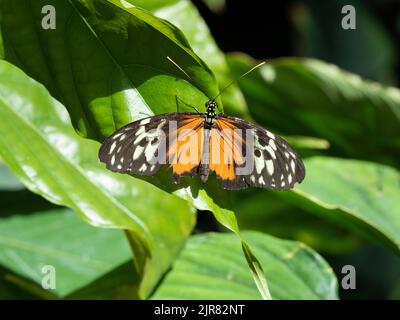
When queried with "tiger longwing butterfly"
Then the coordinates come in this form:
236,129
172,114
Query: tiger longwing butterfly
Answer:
240,153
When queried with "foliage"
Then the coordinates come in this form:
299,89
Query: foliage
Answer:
63,91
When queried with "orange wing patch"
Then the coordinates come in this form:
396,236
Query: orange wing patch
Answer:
225,150
186,145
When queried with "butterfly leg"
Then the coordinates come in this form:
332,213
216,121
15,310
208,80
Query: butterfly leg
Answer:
177,104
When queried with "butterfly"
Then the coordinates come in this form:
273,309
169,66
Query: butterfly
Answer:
240,153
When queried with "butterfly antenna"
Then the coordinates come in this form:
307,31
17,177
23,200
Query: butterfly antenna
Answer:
189,77
177,65
237,79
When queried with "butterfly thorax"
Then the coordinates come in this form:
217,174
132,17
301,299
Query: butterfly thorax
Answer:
210,114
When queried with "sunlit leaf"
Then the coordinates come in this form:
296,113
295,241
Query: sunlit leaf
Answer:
40,146
107,62
186,17
78,252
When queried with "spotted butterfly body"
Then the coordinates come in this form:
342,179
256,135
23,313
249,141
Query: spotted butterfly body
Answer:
240,153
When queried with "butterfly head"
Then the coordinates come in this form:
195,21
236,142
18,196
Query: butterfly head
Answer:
211,105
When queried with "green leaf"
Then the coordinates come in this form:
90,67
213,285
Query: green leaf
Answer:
186,17
294,271
360,195
360,119
118,82
40,146
106,61
286,220
78,252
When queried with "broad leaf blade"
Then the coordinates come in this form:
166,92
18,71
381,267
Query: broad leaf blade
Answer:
104,61
78,252
42,149
186,17
107,62
294,271
358,194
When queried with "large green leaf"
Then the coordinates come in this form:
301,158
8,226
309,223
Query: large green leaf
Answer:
186,17
360,119
294,271
78,252
40,146
363,196
107,62
267,212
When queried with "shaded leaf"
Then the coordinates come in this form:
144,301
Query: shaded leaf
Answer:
269,213
294,271
360,195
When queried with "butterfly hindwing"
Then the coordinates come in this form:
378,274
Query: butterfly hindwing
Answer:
274,164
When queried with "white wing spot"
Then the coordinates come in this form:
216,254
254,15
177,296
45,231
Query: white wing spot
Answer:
138,152
292,165
272,144
144,121
143,167
113,160
121,159
119,149
253,179
150,150
290,178
270,167
113,147
271,135
122,137
119,167
117,135
259,164
140,131
283,183
287,154
271,152
261,180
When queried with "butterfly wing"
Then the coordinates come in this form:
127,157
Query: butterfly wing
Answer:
253,156
141,147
